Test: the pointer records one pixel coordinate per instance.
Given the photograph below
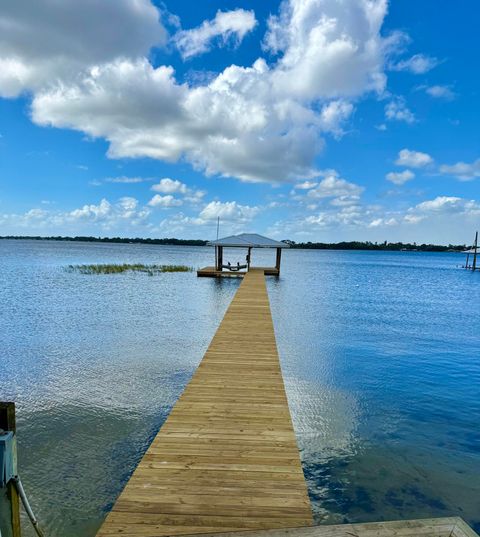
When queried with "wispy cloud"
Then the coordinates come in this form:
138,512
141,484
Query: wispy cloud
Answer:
127,180
226,27
397,110
441,92
400,178
438,91
418,64
462,170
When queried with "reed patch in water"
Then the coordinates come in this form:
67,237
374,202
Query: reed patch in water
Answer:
110,268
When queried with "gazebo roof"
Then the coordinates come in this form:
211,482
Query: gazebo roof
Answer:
248,240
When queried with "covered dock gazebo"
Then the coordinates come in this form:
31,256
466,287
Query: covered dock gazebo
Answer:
247,241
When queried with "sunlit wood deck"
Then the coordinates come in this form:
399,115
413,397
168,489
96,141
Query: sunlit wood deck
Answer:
226,459
428,527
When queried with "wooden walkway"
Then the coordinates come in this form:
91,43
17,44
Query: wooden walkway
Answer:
226,459
427,527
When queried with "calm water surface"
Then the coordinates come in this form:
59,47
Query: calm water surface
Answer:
380,353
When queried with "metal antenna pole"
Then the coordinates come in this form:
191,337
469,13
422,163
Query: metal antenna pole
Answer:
216,246
474,266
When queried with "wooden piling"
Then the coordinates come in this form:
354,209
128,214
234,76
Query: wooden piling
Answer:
278,259
219,258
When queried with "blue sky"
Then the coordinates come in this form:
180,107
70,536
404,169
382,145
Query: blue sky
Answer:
320,120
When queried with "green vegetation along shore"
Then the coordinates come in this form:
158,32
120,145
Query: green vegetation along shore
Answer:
111,268
351,245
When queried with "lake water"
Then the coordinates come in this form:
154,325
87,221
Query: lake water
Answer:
380,353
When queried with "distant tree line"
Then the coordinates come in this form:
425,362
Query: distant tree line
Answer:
172,241
351,245
367,245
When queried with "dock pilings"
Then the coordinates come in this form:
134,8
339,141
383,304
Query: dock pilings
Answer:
10,501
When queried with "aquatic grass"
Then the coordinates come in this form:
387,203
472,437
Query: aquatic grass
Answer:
110,268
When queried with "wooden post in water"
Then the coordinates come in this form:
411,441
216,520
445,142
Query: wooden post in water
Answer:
279,258
8,423
219,258
249,257
474,266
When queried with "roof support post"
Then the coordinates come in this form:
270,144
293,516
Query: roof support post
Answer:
278,260
219,258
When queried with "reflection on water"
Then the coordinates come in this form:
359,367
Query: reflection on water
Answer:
94,364
379,352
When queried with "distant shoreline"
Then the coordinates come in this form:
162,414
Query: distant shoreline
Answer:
352,245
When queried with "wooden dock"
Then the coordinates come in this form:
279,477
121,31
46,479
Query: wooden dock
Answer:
212,272
427,527
226,459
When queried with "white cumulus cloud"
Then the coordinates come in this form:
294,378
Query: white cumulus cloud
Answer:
334,186
170,186
123,216
230,211
95,212
41,42
447,205
333,115
413,159
174,186
328,48
400,178
264,122
165,201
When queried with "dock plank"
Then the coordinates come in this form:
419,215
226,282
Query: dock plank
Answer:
226,459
